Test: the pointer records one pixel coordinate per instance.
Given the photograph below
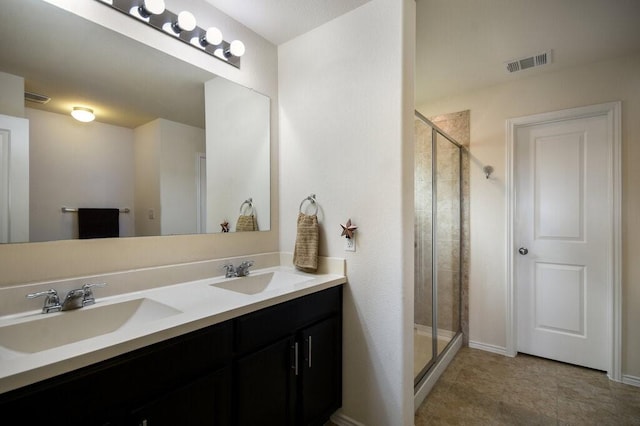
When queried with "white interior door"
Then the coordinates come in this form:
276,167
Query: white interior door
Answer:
562,231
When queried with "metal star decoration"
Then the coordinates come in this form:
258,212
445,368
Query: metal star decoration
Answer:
348,229
225,226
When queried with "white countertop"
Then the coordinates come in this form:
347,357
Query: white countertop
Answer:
198,304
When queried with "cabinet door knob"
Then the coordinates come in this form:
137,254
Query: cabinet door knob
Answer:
309,351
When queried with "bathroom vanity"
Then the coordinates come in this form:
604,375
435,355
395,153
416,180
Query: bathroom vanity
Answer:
277,362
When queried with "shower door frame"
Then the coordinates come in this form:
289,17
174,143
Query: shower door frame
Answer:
435,357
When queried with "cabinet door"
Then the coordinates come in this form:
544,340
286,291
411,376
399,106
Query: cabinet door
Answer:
205,401
265,386
321,371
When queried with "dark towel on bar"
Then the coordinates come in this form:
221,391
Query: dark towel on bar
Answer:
98,223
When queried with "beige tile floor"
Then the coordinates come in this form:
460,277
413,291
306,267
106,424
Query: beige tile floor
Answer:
481,388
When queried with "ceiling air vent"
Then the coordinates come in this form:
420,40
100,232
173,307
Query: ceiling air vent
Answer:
36,97
529,62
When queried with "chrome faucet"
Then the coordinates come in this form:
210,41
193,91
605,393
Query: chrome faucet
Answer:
242,270
74,299
80,297
89,298
51,301
230,271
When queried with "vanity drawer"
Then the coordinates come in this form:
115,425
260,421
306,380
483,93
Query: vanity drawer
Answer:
265,326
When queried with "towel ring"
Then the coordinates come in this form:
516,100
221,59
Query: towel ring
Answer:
250,202
312,199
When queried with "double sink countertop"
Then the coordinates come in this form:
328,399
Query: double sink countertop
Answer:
36,346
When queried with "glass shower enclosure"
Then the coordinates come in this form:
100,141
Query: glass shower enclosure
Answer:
437,254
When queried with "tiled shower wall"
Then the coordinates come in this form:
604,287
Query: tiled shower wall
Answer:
452,221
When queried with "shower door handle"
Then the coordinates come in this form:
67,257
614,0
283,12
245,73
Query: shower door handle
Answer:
523,251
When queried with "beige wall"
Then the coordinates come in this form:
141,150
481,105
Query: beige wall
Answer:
346,106
39,261
146,149
165,174
178,198
12,99
596,83
68,160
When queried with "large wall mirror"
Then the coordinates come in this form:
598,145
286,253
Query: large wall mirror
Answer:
154,152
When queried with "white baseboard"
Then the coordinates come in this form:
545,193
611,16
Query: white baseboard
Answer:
427,383
500,350
341,420
631,380
427,331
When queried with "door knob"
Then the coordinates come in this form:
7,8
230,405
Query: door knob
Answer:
523,251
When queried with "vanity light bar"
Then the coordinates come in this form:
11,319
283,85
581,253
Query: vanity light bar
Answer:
181,26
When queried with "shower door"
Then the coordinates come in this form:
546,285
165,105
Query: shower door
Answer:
447,241
437,244
423,253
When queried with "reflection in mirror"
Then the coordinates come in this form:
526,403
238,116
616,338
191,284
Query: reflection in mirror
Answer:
240,195
146,149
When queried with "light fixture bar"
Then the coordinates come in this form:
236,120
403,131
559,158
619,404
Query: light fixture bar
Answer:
196,37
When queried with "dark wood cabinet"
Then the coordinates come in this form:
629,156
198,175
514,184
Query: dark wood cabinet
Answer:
281,366
265,386
321,371
204,401
293,373
115,391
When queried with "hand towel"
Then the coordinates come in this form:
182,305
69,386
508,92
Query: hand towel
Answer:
98,223
246,223
305,252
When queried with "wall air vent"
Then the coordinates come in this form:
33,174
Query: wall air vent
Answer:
36,97
529,62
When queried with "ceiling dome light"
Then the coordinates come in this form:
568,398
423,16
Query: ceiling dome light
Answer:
83,114
213,36
151,7
237,48
186,22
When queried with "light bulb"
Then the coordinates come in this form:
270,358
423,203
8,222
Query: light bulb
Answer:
151,7
237,48
186,22
83,114
213,36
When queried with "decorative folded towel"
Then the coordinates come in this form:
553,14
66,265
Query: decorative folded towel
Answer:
246,223
305,253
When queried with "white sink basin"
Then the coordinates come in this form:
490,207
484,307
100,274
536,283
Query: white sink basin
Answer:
254,284
52,330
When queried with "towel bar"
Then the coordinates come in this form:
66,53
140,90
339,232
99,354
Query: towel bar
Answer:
75,210
250,202
312,199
